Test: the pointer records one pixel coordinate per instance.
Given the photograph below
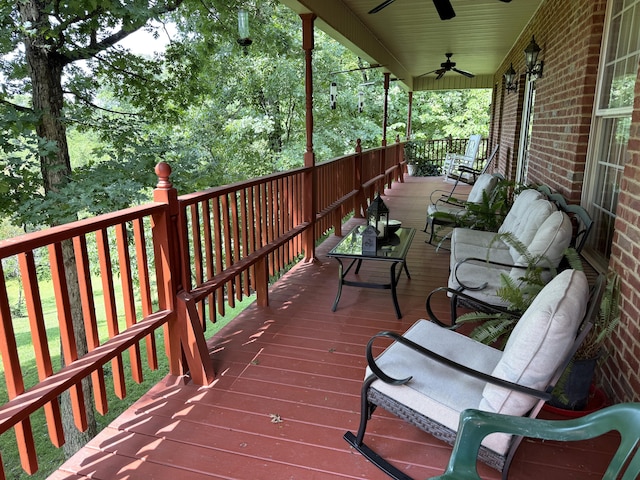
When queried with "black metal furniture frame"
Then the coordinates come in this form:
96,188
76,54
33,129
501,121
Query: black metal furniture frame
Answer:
393,250
372,398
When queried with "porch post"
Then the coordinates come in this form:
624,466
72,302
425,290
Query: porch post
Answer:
383,151
309,194
409,116
385,108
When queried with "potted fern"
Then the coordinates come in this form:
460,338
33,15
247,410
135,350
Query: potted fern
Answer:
572,390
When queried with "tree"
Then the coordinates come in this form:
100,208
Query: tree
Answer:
216,114
41,44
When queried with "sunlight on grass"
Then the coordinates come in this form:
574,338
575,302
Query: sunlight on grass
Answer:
49,457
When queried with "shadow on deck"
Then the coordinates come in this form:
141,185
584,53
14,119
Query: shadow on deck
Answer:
288,384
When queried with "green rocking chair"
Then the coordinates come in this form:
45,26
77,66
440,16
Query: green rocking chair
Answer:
477,424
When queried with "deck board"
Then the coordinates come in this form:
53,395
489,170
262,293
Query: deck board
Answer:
298,362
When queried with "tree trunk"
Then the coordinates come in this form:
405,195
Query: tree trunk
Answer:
45,69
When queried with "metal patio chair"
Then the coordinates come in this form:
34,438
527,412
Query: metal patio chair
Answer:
430,374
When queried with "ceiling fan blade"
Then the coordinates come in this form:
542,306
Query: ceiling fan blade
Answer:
462,72
445,9
432,71
441,74
384,4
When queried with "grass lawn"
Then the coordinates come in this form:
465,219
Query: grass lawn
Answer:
49,457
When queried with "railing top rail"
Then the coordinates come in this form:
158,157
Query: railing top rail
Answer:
336,159
191,198
48,236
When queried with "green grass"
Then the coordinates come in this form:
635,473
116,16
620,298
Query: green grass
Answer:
49,457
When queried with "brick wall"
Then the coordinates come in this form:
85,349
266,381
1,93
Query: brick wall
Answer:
621,371
570,34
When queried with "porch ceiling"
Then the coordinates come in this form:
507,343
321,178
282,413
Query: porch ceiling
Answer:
409,39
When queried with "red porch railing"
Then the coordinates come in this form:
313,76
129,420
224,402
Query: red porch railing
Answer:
172,264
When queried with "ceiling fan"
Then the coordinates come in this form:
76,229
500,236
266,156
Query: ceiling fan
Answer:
444,8
447,67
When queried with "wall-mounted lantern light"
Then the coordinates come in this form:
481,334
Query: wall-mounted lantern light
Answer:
333,95
531,53
510,80
243,30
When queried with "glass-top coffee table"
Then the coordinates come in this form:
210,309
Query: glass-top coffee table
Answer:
392,250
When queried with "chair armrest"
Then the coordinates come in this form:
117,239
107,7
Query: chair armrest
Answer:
458,293
437,196
486,262
444,196
377,371
472,171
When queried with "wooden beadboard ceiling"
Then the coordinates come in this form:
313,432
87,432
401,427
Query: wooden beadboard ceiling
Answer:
409,39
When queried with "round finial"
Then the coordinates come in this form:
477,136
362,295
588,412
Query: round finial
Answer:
163,171
358,145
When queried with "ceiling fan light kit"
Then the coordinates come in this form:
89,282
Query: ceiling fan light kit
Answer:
448,66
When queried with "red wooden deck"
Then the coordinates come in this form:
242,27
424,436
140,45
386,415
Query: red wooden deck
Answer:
287,388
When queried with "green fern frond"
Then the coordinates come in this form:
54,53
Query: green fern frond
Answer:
573,259
492,330
608,319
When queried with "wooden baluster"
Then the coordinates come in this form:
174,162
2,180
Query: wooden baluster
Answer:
217,228
39,341
67,335
90,321
196,243
106,274
14,380
208,255
124,260
145,288
229,259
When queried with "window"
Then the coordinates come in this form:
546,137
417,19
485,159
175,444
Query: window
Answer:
525,132
612,121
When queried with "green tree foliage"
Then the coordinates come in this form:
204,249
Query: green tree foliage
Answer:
459,113
216,114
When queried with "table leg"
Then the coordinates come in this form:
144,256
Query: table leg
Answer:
406,270
340,278
358,266
393,290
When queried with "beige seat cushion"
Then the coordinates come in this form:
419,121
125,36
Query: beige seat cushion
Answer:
437,391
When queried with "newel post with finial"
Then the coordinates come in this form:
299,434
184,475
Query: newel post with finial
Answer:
184,338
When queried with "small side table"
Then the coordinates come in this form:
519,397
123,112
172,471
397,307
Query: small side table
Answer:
392,250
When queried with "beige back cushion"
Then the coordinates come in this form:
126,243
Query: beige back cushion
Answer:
485,183
539,342
550,241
